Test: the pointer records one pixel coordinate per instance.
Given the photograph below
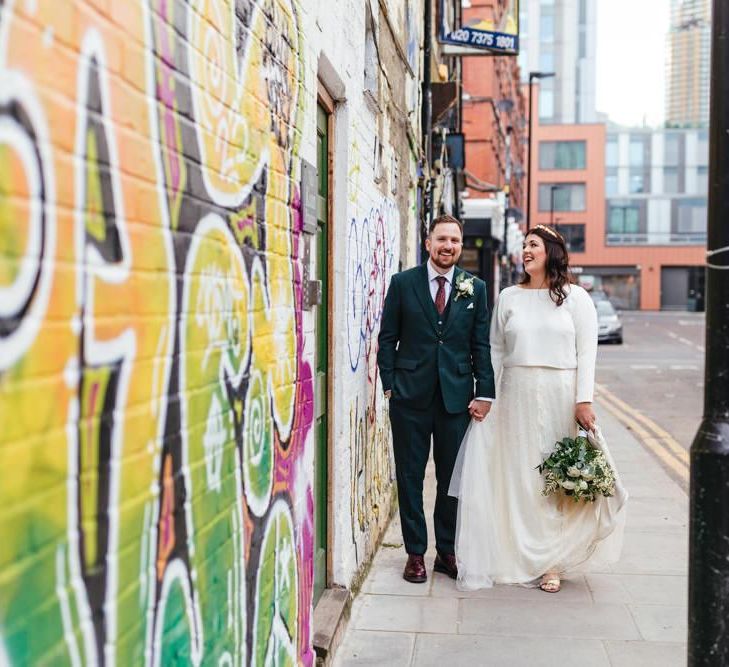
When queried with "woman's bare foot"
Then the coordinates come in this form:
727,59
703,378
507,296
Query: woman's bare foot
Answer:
551,583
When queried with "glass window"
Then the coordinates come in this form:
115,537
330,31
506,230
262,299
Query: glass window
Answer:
574,236
546,102
671,149
611,181
611,152
692,216
623,219
670,180
561,196
546,26
562,155
702,180
546,60
702,147
637,181
637,151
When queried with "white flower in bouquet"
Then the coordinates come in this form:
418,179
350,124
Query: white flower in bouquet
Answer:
577,469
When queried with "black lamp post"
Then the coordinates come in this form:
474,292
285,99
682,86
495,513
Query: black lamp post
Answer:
532,77
708,630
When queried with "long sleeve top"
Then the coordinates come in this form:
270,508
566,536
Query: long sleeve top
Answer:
529,329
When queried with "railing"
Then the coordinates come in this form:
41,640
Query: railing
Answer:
657,238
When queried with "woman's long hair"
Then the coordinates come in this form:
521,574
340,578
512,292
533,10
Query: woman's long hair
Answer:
557,267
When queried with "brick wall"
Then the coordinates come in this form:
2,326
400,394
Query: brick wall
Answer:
156,499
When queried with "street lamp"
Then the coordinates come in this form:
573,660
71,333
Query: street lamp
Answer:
708,631
532,76
552,190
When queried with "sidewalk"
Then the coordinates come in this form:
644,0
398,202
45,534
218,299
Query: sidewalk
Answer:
632,614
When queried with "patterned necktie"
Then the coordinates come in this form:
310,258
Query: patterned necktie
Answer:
440,299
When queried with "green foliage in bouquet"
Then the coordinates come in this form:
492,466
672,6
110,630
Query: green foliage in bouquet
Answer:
577,469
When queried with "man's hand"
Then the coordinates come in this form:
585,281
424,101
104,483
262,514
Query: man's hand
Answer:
388,393
479,409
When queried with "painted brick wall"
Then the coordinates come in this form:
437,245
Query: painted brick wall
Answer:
155,398
374,236
156,452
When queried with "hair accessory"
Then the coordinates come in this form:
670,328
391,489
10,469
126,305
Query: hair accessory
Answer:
549,230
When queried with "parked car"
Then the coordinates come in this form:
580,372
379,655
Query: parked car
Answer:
609,326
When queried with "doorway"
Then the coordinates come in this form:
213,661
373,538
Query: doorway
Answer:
321,349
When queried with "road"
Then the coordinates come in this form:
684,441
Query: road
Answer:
654,382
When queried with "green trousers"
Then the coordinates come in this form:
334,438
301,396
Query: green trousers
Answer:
413,427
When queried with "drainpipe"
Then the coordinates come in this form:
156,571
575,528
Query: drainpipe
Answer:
427,121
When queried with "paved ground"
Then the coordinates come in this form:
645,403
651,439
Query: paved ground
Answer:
632,614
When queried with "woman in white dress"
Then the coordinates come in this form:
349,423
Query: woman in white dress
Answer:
543,349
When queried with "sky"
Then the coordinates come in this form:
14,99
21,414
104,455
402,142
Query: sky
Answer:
631,60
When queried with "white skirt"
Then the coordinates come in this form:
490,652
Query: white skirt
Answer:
507,531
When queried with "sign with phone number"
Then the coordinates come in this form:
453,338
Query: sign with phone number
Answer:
496,41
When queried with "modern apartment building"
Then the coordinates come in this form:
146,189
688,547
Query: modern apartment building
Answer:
689,63
560,36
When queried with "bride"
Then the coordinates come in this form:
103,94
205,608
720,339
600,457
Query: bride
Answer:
543,349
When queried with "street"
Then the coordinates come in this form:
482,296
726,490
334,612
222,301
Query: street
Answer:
653,383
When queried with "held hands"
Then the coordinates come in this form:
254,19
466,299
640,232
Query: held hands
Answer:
585,416
388,393
479,409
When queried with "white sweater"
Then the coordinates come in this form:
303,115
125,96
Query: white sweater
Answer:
528,329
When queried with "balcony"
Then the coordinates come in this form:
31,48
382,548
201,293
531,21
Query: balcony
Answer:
657,238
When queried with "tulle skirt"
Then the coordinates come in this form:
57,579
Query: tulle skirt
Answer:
507,531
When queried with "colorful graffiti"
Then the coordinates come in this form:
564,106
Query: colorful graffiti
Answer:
372,257
155,402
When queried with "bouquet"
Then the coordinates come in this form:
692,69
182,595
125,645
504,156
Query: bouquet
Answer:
578,469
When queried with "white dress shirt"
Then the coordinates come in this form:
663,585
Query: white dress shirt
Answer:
448,286
433,283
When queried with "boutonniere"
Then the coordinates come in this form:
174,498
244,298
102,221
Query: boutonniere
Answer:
464,287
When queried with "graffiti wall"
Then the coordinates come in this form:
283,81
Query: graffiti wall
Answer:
372,257
155,400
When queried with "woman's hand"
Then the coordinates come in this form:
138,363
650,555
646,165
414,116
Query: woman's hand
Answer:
585,416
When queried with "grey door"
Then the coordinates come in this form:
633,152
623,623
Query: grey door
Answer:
674,288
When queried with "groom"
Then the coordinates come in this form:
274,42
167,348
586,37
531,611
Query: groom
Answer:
433,343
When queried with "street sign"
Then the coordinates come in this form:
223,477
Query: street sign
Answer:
479,36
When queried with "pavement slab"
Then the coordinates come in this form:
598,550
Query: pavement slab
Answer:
632,612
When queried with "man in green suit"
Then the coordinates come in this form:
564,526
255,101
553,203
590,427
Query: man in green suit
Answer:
433,344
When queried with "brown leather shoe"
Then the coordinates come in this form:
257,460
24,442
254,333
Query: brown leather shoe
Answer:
446,564
415,571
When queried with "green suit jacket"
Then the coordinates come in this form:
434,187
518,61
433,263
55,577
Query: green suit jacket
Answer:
418,348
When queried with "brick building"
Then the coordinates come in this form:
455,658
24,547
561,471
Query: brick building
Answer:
201,206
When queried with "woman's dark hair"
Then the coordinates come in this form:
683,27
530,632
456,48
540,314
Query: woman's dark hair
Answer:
557,268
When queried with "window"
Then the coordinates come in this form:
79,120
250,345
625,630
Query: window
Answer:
671,150
702,147
670,180
611,152
611,181
574,236
623,218
637,151
702,180
692,216
370,61
546,102
561,196
637,180
562,155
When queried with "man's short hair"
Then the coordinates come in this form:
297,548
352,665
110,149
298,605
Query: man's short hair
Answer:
441,219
